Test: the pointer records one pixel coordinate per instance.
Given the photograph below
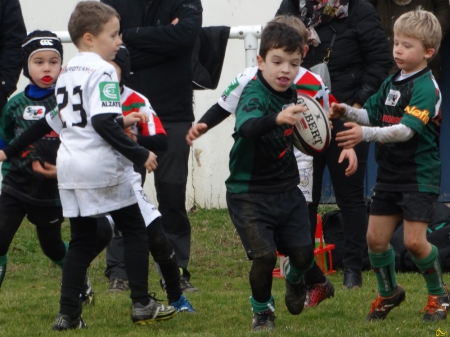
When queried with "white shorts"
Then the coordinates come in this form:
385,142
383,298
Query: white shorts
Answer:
96,202
305,171
148,210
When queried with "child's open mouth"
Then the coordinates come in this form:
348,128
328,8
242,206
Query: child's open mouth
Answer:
283,80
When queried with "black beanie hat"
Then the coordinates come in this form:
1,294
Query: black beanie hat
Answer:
123,61
39,40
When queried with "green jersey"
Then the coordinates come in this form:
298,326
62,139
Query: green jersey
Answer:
19,179
414,165
263,162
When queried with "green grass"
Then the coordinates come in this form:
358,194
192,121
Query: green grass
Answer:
30,294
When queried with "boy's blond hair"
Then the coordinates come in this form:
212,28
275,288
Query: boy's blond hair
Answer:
293,22
421,25
89,17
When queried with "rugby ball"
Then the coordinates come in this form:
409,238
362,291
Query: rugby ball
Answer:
312,133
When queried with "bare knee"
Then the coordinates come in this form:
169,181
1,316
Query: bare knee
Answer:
417,247
376,243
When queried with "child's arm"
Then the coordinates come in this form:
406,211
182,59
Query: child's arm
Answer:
349,113
389,134
214,116
106,126
48,170
225,106
258,126
151,134
35,132
7,126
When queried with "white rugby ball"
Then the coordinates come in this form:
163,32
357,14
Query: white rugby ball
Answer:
312,133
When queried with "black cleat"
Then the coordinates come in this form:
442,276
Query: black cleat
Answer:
63,323
381,306
263,321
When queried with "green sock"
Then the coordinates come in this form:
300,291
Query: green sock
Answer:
60,263
430,268
263,307
294,275
384,266
3,261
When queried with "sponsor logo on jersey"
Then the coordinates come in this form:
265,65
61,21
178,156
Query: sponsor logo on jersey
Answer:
111,104
108,74
392,98
233,85
423,115
54,113
109,91
391,119
77,68
33,113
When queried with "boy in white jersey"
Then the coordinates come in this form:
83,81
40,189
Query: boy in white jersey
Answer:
319,287
91,178
403,117
152,136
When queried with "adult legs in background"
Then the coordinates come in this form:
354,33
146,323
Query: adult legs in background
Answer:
349,192
115,264
170,184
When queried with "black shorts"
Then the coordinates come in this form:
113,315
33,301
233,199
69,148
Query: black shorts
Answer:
414,206
270,222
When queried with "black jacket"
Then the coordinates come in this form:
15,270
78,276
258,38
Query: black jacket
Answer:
361,57
389,11
208,56
161,52
12,34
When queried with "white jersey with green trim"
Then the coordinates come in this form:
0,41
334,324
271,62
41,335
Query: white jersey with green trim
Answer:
306,82
87,86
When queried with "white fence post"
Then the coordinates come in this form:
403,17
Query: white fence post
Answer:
250,35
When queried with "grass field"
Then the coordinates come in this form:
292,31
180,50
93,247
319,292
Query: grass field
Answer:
30,293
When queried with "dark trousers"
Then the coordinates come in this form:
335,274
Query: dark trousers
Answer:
115,264
349,193
47,220
82,250
170,183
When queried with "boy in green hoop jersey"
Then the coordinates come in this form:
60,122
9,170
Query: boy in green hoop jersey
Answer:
404,119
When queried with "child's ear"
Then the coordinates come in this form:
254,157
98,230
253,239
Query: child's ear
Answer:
261,62
429,52
87,39
305,50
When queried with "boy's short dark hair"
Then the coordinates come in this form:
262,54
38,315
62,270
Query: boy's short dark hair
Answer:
89,17
276,35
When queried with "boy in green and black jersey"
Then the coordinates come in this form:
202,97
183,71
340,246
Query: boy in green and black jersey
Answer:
25,192
404,119
265,205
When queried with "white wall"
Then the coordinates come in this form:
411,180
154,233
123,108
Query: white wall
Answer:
209,155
